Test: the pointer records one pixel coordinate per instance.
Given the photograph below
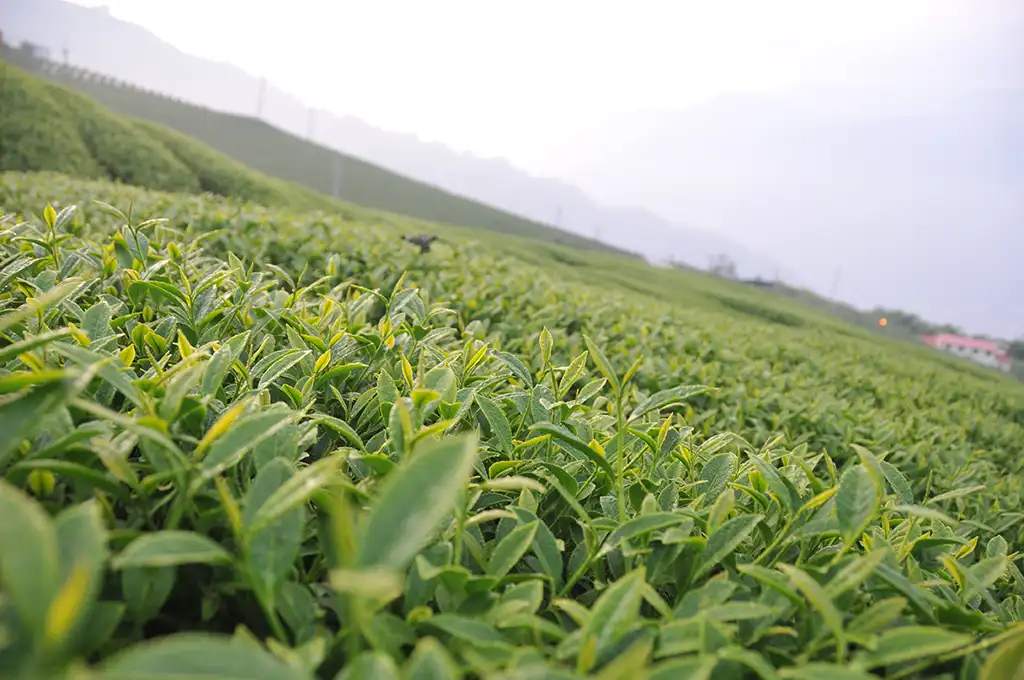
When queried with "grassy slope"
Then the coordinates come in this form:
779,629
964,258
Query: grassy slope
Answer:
280,154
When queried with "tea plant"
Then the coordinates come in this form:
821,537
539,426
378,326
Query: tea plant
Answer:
241,444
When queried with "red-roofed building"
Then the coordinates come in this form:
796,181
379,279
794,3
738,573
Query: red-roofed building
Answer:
982,351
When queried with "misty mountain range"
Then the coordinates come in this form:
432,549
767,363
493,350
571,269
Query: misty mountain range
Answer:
902,190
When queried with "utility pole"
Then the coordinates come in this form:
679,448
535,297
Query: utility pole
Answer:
259,99
835,283
337,175
67,52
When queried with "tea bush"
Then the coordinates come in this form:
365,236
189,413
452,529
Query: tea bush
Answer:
36,133
124,152
240,442
45,126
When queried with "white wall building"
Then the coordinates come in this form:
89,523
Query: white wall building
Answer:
982,351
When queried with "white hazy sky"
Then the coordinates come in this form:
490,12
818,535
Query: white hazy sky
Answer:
511,79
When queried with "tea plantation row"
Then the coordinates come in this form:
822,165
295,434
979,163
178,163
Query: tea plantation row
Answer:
238,442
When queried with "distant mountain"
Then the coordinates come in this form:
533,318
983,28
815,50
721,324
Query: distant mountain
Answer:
900,185
102,43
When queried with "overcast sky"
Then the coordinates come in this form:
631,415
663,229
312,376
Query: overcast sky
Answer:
512,79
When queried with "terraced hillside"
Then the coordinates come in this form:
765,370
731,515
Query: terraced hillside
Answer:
253,442
289,158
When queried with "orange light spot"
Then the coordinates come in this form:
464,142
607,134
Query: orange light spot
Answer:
883,321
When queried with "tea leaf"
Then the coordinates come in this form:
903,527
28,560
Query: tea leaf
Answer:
906,643
194,656
724,541
170,548
857,502
29,556
413,500
511,549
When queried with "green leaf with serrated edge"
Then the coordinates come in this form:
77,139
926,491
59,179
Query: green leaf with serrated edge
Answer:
819,671
387,390
511,549
430,661
177,389
106,368
921,599
996,546
630,663
467,629
772,579
442,380
527,596
900,485
572,373
775,484
30,343
724,541
697,668
820,601
906,643
498,422
716,474
231,447
955,493
413,500
615,610
170,548
220,363
145,590
156,289
1006,662
519,369
30,560
89,477
545,547
855,572
752,660
195,656
857,502
281,366
670,397
738,611
25,414
82,543
878,616
984,573
295,492
639,526
572,443
369,666
925,513
271,552
342,428
602,363
56,294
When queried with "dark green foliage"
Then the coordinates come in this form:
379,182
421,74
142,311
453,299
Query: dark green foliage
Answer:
123,151
36,133
218,174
